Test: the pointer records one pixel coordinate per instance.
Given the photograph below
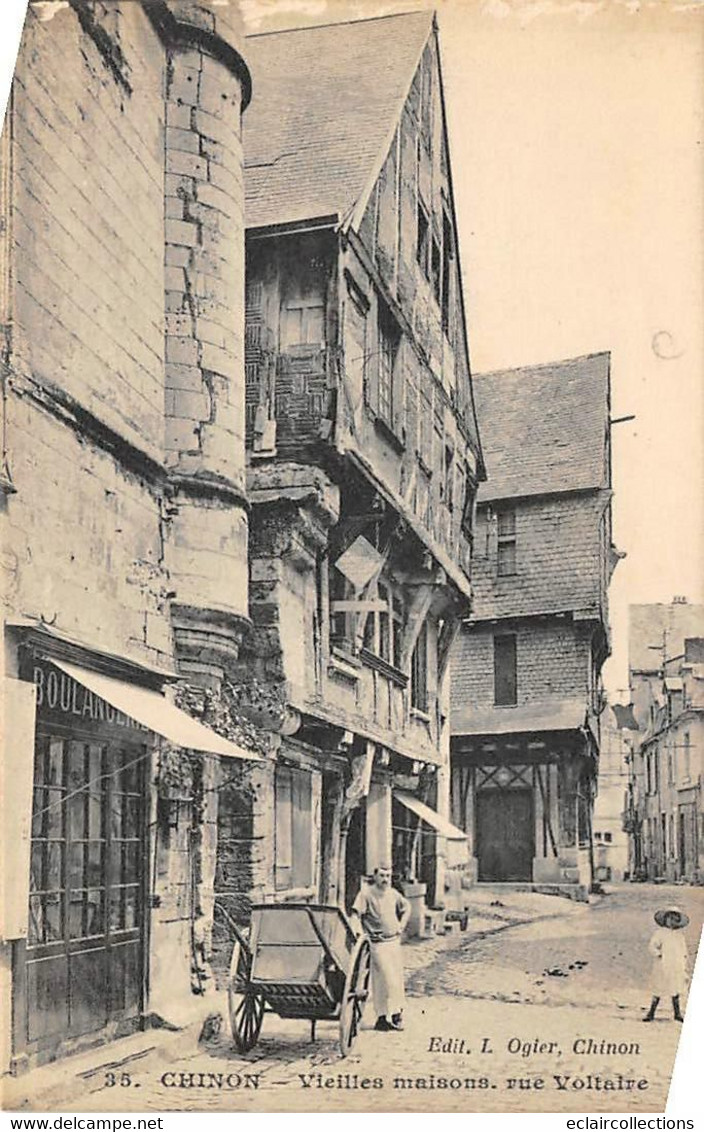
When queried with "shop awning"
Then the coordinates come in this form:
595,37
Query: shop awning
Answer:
154,712
457,844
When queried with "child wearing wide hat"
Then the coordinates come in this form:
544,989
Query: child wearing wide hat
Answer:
668,948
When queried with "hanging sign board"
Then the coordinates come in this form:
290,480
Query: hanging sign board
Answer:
360,562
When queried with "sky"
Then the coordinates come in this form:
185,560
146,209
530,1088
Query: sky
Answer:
576,147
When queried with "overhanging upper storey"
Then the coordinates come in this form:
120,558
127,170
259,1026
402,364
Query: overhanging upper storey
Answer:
356,334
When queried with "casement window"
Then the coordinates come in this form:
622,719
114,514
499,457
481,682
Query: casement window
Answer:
293,850
389,342
419,671
686,741
383,628
505,673
649,773
423,240
506,542
302,319
341,628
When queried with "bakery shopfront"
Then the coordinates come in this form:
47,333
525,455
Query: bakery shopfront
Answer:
81,967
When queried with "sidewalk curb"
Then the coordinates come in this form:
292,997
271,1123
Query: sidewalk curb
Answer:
82,1067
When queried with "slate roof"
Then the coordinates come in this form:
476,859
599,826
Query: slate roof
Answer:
557,715
325,100
543,428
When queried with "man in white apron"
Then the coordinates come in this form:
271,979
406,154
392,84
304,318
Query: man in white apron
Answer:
384,913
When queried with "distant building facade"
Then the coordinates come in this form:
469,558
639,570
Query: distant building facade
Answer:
363,463
609,838
664,816
526,684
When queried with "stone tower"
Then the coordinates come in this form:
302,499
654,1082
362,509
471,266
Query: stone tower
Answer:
207,89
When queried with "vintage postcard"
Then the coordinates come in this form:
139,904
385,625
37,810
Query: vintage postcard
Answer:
351,500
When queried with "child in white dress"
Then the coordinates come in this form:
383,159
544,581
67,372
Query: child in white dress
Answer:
668,948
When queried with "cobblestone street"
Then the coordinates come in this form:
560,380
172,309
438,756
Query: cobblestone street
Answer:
513,1016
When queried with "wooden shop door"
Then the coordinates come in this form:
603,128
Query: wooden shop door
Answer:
85,947
505,835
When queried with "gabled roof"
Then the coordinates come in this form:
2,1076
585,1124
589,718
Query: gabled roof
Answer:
544,427
325,100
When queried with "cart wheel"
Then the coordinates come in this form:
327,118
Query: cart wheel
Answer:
354,996
245,1005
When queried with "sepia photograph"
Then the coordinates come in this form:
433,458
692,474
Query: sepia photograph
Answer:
352,555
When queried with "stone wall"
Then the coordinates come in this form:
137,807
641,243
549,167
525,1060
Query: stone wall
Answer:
85,409
88,217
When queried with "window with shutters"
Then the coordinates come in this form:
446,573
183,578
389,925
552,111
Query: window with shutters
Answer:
293,795
505,674
506,542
